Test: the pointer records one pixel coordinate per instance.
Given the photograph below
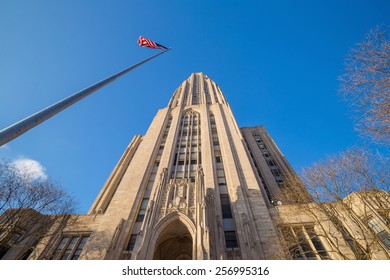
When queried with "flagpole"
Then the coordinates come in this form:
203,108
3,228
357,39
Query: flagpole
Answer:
17,129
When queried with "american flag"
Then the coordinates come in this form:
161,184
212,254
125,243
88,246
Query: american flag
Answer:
145,42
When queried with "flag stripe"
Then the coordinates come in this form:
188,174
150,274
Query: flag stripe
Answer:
144,42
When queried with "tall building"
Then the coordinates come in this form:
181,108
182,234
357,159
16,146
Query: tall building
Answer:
195,186
185,190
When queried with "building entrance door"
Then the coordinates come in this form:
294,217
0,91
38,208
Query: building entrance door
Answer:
174,243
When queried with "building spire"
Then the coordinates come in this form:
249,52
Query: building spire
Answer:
197,89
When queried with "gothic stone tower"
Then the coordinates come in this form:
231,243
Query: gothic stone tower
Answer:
198,187
188,189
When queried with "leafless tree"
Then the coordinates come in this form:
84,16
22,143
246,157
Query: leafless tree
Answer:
348,200
365,85
28,206
354,170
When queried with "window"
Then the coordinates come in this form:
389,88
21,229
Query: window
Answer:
270,162
384,236
192,174
380,232
70,247
221,181
220,173
79,248
207,93
218,156
303,243
142,210
187,148
131,244
231,239
225,207
276,172
152,176
316,242
353,244
212,120
13,239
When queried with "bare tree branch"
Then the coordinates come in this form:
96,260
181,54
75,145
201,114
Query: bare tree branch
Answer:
365,85
28,206
348,202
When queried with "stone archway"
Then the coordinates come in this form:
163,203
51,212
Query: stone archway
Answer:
174,243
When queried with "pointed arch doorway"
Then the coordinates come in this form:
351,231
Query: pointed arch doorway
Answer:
174,243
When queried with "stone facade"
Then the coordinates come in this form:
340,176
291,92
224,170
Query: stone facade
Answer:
195,186
354,228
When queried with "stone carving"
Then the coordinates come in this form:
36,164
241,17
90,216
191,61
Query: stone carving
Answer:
177,196
163,175
209,197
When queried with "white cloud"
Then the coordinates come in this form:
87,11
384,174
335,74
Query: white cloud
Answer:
31,167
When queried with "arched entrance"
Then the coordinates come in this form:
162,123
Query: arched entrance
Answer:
174,243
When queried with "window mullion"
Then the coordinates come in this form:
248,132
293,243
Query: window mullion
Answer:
74,247
308,238
61,254
296,239
176,164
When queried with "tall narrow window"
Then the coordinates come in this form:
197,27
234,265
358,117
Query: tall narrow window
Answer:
213,89
142,210
185,97
207,93
303,243
188,147
196,91
60,247
231,239
131,244
319,247
225,206
79,248
69,248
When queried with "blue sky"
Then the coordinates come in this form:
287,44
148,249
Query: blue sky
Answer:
277,63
